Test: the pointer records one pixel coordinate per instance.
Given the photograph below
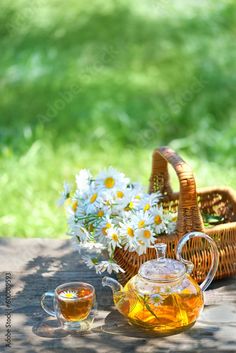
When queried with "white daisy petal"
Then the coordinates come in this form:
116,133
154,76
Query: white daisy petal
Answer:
109,267
83,180
111,179
89,261
158,220
65,194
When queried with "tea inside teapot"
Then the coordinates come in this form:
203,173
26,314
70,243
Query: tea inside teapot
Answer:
162,297
159,298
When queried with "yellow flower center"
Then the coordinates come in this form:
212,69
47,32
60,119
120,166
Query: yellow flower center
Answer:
147,234
114,237
129,207
93,198
91,227
157,220
68,295
141,223
174,219
104,230
100,213
120,194
74,205
109,182
147,207
141,242
130,232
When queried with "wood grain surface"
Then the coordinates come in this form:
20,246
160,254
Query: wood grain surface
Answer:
38,265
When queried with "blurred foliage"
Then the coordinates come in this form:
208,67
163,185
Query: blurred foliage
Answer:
89,84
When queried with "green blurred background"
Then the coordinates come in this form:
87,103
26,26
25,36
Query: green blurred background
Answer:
92,84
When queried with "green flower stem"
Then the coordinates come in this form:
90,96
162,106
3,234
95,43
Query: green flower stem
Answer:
144,300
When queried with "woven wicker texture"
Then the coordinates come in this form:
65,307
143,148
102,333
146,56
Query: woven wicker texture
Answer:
190,204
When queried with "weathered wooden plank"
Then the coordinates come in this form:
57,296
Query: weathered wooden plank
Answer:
38,265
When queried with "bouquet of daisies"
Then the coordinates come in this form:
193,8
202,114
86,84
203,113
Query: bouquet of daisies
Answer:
108,211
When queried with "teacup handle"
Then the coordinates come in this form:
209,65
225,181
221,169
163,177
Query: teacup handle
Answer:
45,307
189,264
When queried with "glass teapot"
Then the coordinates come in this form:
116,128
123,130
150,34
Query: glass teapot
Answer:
163,297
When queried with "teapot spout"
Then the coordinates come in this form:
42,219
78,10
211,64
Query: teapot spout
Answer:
112,283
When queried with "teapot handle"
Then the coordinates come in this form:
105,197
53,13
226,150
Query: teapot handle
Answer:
189,264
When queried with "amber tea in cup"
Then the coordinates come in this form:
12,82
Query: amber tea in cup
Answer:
74,305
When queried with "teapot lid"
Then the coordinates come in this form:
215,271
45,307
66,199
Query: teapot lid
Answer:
162,269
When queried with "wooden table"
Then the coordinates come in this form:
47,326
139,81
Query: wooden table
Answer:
35,266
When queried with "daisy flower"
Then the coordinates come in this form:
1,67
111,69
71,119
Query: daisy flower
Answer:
68,294
127,232
89,261
171,227
89,247
141,219
74,205
83,181
146,236
93,201
158,219
102,228
65,194
132,200
120,194
170,222
111,179
156,299
149,201
127,228
75,214
108,266
115,199
141,247
108,201
113,239
81,233
80,212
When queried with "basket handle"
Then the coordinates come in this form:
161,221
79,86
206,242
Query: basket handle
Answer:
189,216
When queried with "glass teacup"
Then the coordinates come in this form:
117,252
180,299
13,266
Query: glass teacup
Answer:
74,305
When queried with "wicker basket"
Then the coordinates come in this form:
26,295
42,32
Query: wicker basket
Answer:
190,204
